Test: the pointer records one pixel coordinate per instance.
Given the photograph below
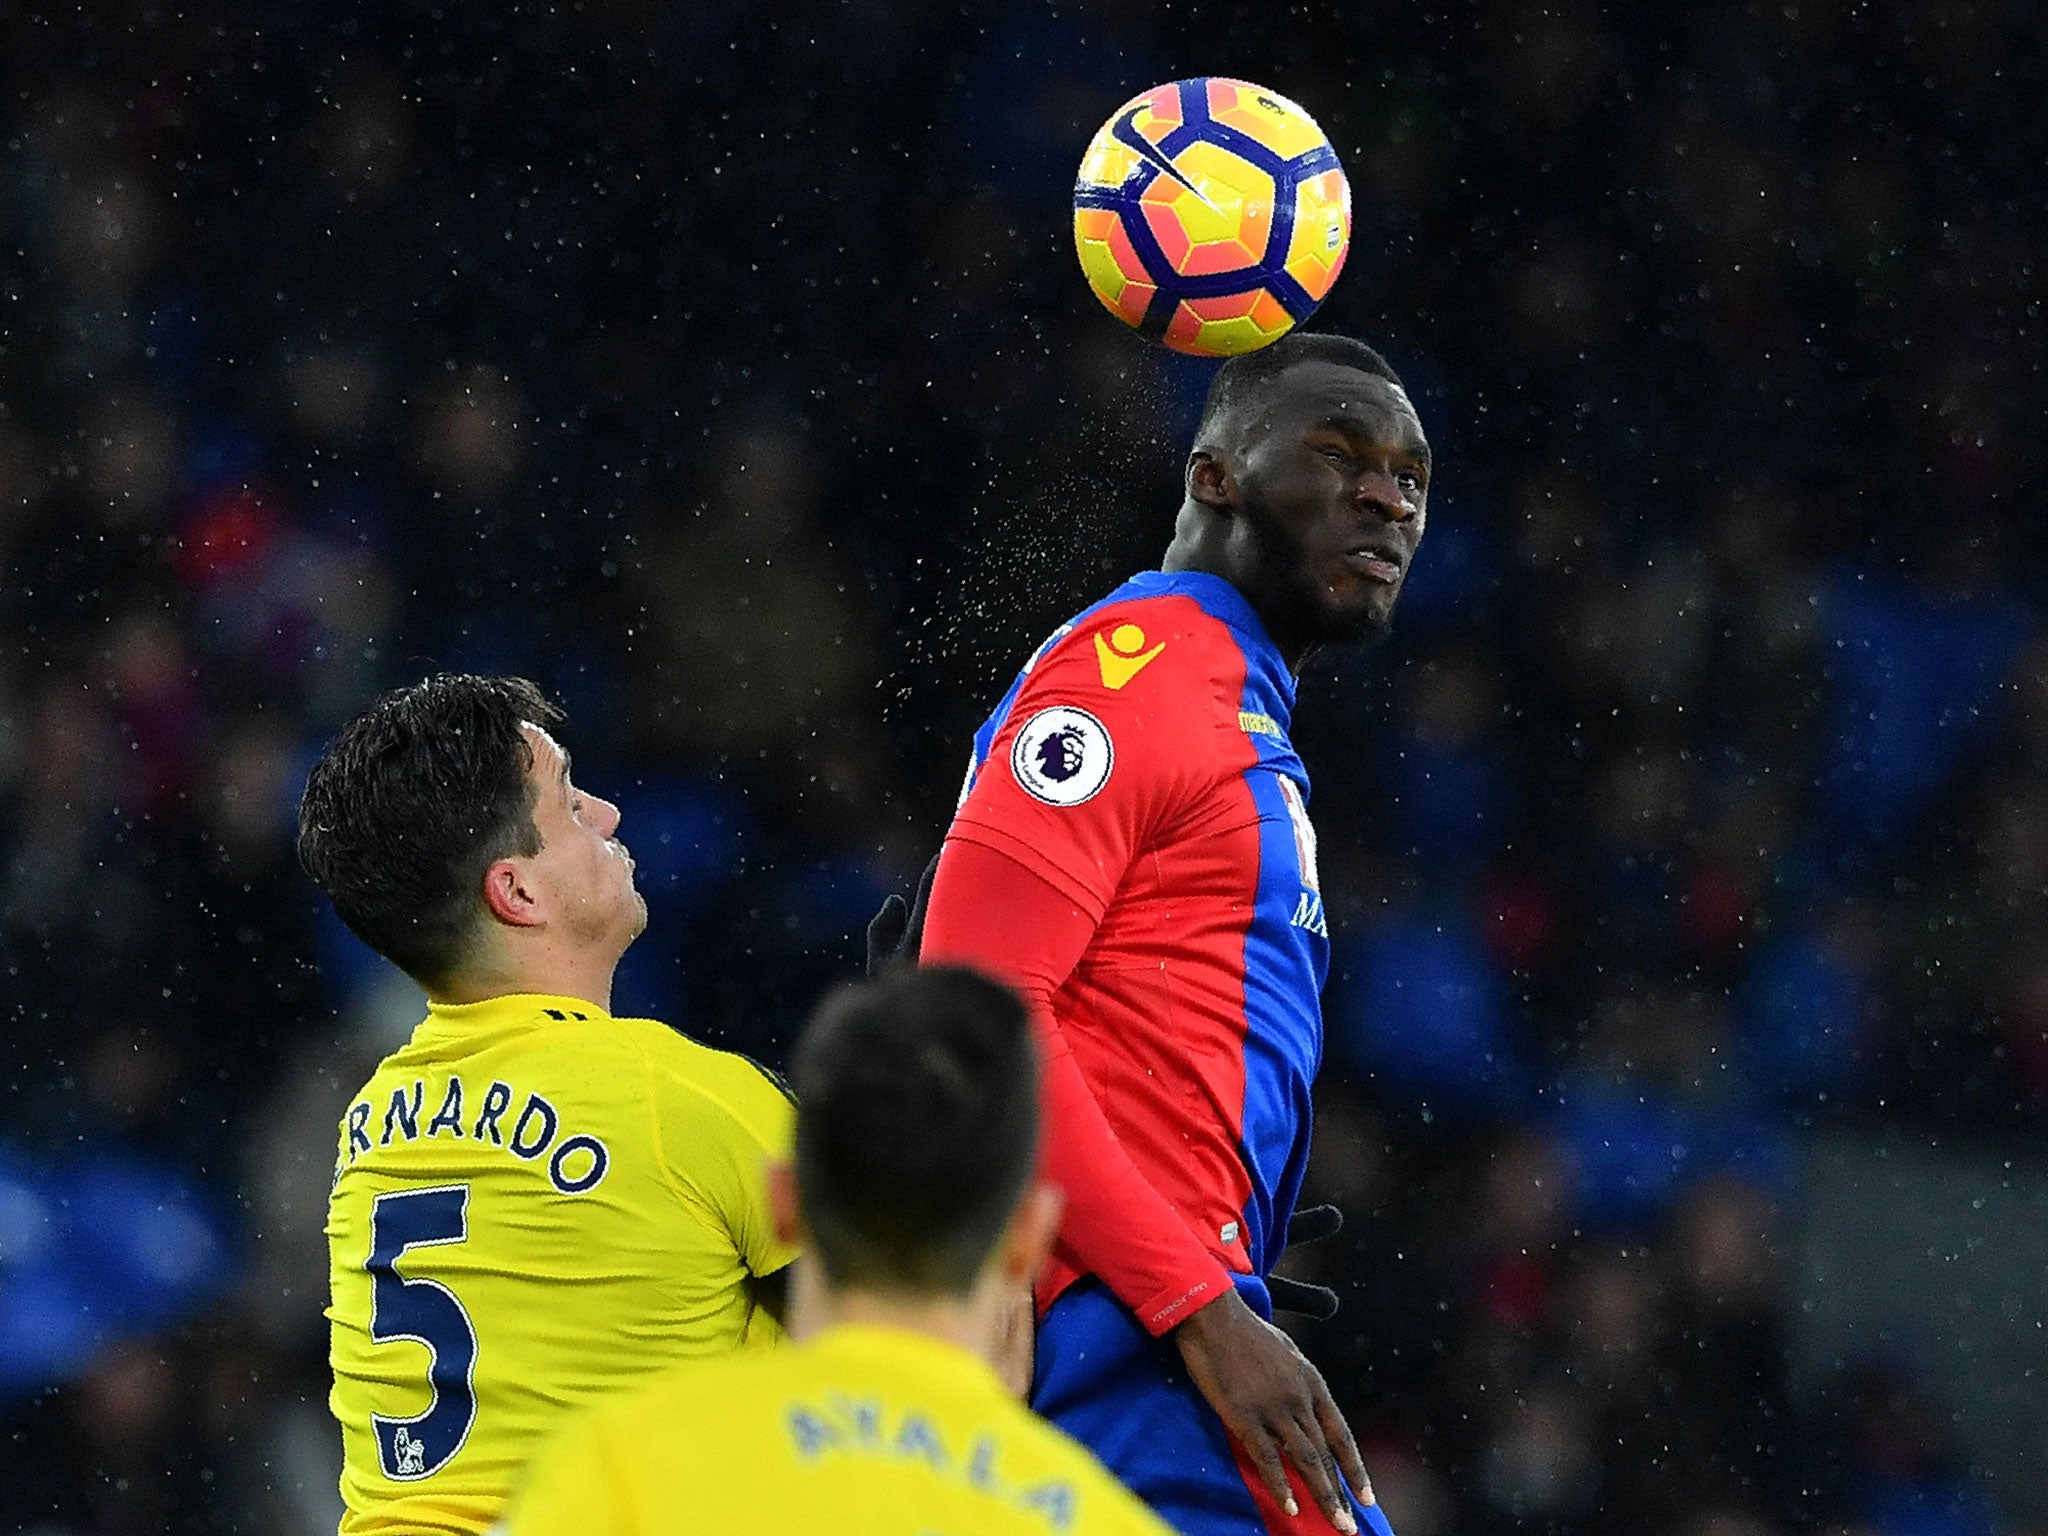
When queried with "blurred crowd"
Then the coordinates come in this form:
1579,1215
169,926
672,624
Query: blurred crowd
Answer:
726,369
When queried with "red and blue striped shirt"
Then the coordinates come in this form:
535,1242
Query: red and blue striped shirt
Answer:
1133,851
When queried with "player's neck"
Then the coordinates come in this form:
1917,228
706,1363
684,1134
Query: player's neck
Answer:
962,1322
1201,542
541,970
1198,543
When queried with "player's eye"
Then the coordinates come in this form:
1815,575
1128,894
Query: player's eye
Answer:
1408,480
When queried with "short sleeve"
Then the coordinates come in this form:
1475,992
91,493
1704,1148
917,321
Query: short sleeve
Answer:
769,1135
721,1120
1113,730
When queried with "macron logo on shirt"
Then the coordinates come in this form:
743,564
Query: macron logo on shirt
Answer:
1122,655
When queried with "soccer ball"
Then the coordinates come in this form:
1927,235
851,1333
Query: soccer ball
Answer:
1211,215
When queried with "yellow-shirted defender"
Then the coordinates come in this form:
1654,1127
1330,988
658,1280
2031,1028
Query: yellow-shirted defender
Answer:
915,1142
536,1204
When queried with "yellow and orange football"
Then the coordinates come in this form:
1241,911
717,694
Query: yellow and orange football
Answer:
1211,215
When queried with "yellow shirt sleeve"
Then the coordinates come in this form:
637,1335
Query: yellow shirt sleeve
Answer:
719,1121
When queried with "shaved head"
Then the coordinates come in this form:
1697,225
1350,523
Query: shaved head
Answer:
1241,381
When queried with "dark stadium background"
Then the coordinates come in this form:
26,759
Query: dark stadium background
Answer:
726,368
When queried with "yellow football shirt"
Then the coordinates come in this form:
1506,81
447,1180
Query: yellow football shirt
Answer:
536,1204
861,1431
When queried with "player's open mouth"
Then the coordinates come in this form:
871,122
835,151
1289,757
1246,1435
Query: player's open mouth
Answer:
1377,564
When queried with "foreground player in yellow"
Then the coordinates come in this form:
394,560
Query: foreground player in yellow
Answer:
535,1204
915,1143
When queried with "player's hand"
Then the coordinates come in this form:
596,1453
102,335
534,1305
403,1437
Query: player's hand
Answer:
1277,1405
896,932
1313,1225
1301,1297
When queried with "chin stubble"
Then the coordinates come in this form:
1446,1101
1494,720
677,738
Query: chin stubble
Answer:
1287,598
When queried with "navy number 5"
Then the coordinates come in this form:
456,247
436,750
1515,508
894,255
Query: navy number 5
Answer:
426,1311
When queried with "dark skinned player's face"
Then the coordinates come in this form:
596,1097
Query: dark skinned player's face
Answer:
1328,483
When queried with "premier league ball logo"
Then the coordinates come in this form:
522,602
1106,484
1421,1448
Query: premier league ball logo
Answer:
1062,756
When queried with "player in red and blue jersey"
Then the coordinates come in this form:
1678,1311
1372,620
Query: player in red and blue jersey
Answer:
1133,852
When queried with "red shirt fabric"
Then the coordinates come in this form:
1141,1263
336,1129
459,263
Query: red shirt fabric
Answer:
1133,853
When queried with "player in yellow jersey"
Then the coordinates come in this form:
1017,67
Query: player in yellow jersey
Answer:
535,1203
913,1190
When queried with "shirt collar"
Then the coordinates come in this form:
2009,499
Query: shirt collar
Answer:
511,1008
934,1356
1222,601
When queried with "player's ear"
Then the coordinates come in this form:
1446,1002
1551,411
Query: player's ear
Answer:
783,1208
1209,480
1033,1227
511,894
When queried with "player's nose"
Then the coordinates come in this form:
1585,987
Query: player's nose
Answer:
607,819
1379,494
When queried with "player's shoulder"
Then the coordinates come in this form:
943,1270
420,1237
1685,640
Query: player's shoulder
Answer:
708,1065
1070,1480
1157,621
1152,651
712,1080
943,1400
659,1440
588,1053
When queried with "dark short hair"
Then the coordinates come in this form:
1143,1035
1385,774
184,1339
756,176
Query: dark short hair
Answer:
916,1127
416,798
1242,378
